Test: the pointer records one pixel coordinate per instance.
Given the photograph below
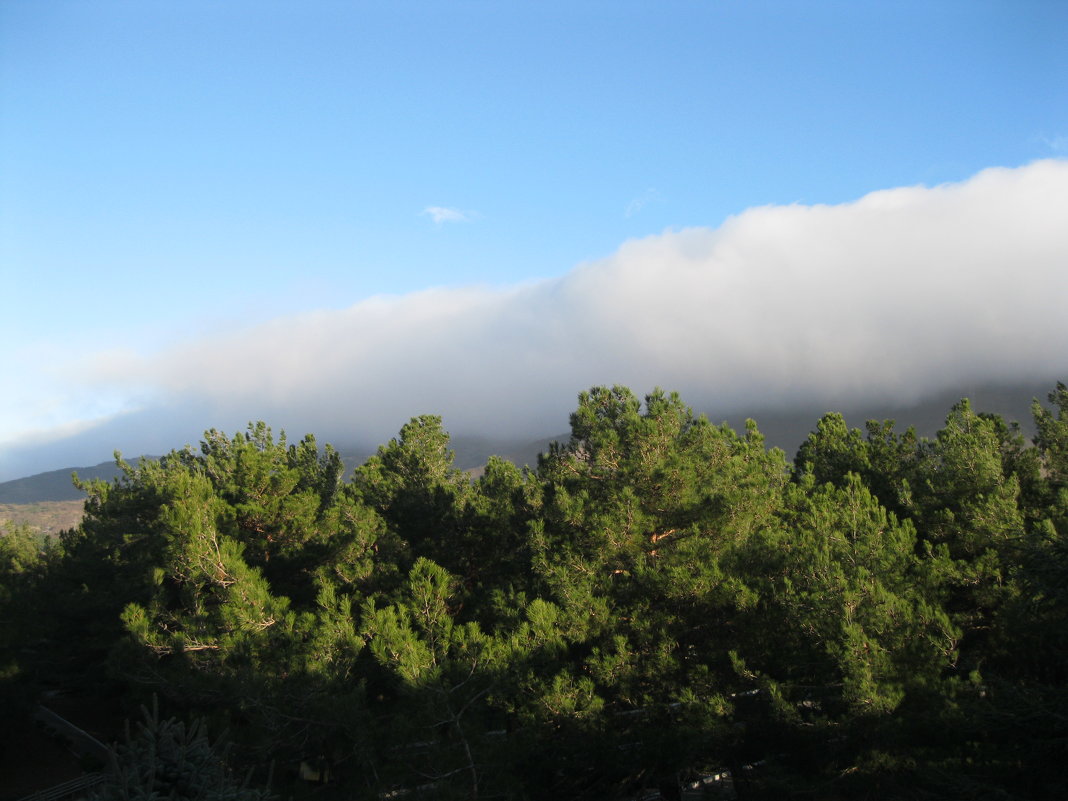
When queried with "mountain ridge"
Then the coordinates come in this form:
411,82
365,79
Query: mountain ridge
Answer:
782,429
471,453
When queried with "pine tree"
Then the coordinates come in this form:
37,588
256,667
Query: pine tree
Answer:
165,758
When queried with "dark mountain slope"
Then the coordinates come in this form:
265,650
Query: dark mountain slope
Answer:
55,485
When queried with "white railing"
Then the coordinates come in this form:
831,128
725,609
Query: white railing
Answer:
66,789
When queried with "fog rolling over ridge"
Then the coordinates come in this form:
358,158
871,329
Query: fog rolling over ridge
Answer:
899,296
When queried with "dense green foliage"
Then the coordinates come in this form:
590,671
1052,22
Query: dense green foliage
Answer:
659,599
167,759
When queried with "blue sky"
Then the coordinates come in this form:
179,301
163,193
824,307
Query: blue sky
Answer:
176,178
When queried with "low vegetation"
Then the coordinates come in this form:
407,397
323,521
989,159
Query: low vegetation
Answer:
659,600
45,517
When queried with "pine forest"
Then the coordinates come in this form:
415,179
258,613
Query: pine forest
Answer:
662,607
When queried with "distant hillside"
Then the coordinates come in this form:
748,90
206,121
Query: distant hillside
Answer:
55,485
786,430
474,452
46,517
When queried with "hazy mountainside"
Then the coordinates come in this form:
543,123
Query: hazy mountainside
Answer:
470,452
57,485
786,430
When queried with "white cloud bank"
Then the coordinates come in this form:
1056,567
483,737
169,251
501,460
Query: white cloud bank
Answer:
898,295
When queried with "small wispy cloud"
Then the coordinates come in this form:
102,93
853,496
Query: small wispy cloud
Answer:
444,214
1057,144
640,202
